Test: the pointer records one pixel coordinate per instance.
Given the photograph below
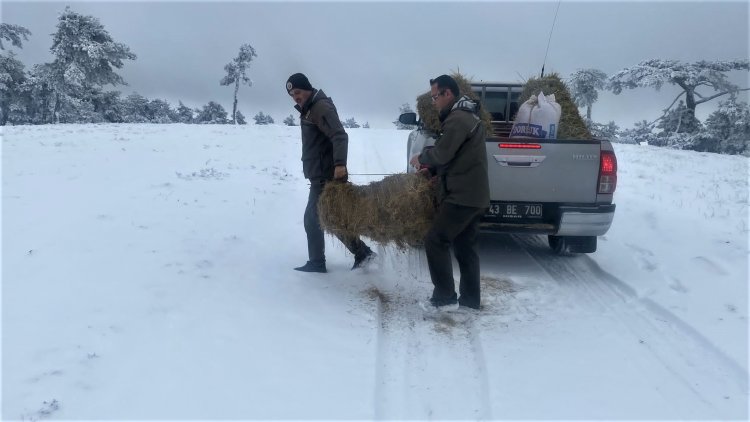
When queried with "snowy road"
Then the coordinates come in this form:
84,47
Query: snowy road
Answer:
557,336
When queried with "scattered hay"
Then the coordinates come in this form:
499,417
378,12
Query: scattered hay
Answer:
398,209
429,115
571,124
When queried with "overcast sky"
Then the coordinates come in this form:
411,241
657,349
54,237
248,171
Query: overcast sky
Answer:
371,57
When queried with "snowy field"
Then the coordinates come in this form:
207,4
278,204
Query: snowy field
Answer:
147,274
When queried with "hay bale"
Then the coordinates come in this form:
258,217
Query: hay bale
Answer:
571,126
429,115
398,209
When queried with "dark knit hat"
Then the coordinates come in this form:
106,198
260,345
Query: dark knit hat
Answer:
298,81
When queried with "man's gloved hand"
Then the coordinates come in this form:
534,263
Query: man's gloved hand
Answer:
414,161
339,173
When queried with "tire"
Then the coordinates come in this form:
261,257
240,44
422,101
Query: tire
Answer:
571,245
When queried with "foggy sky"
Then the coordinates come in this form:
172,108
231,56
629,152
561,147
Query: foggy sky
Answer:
371,57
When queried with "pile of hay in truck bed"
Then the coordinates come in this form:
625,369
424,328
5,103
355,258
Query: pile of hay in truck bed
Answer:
398,209
572,125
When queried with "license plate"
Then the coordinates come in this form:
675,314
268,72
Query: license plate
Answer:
514,210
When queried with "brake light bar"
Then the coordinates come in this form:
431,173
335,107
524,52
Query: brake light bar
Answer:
520,146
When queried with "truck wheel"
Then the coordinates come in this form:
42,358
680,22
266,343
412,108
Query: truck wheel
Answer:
571,245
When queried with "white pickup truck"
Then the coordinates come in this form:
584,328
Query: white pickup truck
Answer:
559,187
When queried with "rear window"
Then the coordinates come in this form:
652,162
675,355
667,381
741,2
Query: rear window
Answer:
495,101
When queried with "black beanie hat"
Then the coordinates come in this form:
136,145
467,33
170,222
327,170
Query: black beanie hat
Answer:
298,81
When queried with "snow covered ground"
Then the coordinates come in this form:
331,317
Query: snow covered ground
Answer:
147,274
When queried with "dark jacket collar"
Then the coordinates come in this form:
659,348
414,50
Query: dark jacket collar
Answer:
316,95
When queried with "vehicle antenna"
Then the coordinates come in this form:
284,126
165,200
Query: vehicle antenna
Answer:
550,37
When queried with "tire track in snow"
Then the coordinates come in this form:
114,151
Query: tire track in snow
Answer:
425,366
681,350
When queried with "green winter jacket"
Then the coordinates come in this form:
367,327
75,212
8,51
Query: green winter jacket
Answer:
460,157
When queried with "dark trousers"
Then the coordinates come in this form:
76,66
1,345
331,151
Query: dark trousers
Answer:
316,245
458,226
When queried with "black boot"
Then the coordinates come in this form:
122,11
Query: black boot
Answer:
362,260
313,267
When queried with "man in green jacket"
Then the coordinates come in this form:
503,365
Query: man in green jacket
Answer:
459,159
324,151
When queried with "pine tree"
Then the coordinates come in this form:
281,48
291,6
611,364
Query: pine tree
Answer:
679,120
85,55
366,125
350,123
687,76
161,112
212,113
39,94
263,119
729,126
289,121
641,133
184,113
108,105
241,118
13,33
12,72
237,72
607,131
585,85
12,78
135,109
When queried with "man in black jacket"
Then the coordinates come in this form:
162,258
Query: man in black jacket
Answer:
459,159
324,151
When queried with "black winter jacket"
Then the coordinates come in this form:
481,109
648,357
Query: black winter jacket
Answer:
324,140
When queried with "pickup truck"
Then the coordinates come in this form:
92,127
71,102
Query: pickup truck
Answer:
562,188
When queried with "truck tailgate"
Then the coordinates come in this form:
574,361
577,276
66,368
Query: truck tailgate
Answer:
543,170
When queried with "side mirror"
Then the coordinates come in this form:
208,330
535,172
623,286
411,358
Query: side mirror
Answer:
408,118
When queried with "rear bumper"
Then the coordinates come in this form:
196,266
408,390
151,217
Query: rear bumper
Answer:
567,220
585,221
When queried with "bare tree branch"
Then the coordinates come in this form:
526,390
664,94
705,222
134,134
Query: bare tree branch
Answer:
720,94
675,100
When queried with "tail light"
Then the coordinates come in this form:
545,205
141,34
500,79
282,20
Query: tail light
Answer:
607,172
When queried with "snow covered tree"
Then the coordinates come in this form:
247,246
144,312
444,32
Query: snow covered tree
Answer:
237,72
12,78
263,119
107,104
12,72
585,85
212,113
366,125
289,121
405,108
241,118
184,113
85,55
13,33
641,133
729,127
161,112
135,109
38,95
350,123
679,120
607,131
687,76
